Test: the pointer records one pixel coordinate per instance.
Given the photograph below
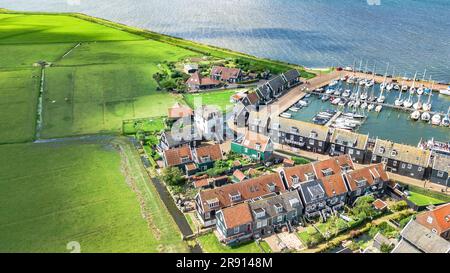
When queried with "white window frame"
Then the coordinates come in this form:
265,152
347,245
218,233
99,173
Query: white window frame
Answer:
236,230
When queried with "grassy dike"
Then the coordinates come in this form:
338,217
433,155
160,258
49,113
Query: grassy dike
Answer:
275,66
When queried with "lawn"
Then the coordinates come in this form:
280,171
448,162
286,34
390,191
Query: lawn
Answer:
220,99
75,192
18,101
149,125
210,244
423,200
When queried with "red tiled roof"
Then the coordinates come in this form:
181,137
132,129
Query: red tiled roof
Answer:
173,156
179,111
440,218
379,204
251,139
197,79
238,215
225,73
368,173
334,185
239,175
201,183
248,189
213,151
334,163
299,171
253,97
191,167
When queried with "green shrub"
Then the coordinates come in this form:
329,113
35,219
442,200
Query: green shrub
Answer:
300,160
399,206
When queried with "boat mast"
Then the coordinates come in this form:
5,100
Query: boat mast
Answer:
431,92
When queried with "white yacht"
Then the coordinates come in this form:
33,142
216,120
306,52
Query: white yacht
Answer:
378,108
427,106
415,115
436,119
446,120
346,93
425,116
418,104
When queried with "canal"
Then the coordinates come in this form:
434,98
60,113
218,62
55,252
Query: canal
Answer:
176,214
390,124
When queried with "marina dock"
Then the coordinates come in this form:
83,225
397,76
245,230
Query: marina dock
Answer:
399,80
337,115
388,105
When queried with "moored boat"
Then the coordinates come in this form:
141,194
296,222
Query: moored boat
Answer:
425,116
286,115
418,104
436,119
378,108
445,91
415,115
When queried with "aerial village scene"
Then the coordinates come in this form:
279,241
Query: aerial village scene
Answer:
221,151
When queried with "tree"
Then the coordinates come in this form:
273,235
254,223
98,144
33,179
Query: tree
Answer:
173,176
399,206
385,248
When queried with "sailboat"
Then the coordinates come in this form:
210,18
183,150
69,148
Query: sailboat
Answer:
408,103
378,108
420,90
446,120
425,116
427,106
415,115
436,119
381,98
370,107
418,104
399,101
364,105
346,93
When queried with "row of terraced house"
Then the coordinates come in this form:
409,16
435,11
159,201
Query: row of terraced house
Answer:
398,158
260,206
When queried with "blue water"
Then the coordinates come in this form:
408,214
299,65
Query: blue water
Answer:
410,34
391,124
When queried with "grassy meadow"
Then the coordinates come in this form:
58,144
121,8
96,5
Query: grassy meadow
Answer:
221,99
76,191
18,102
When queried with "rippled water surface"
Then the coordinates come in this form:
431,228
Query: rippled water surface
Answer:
410,34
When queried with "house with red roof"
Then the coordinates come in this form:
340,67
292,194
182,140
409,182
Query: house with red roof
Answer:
234,224
208,202
368,180
196,82
437,220
226,74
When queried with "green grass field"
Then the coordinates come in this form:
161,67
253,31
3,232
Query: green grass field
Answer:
18,102
210,244
423,200
221,99
92,88
75,192
44,29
